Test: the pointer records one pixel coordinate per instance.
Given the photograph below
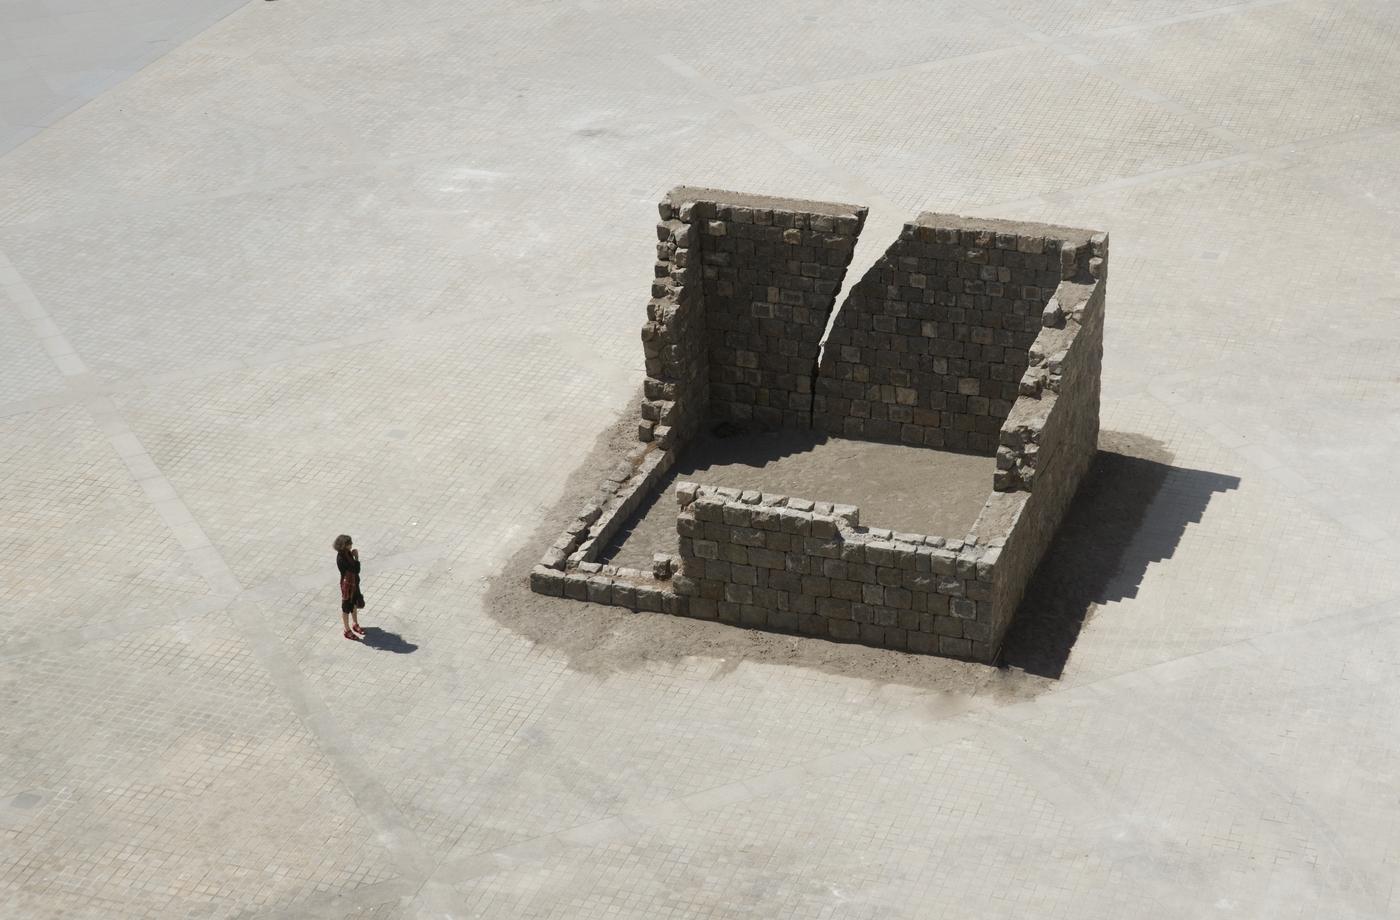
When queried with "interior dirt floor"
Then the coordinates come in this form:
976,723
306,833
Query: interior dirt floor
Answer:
911,489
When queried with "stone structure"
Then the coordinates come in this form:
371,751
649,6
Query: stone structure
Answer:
968,334
931,345
774,562
743,291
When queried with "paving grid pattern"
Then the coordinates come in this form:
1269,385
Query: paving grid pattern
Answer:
379,268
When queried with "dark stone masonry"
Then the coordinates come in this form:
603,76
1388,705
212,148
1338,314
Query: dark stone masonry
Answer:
969,335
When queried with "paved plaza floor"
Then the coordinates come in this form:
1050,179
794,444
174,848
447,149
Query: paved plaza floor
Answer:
55,55
380,267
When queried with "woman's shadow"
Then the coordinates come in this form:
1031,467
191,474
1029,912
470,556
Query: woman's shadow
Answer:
387,641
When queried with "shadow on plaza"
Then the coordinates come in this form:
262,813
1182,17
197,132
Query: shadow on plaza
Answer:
386,641
1130,512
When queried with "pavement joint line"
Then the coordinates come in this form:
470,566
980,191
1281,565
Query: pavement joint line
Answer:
26,303
941,730
173,511
1231,9
369,165
365,789
885,73
124,443
868,248
1028,35
1286,477
92,385
124,624
1269,157
855,187
142,619
1252,781
1095,812
1241,782
1268,464
363,786
1056,780
337,906
1348,193
1068,51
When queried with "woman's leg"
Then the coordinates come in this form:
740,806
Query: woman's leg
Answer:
345,618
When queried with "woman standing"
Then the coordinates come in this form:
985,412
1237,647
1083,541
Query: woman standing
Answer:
347,560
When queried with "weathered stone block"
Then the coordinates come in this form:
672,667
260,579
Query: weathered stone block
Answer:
546,580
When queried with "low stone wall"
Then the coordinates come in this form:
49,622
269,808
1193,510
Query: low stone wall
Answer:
1054,422
929,347
773,562
586,537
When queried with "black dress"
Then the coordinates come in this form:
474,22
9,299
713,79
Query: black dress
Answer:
350,596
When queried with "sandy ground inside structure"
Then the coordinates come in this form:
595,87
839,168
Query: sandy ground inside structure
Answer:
910,489
1072,581
605,640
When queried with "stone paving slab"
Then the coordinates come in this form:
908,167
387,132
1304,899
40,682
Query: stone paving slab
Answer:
343,265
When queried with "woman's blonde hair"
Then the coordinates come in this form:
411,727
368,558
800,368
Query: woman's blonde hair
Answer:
342,543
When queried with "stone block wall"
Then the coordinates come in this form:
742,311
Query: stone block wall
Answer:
676,389
773,562
771,274
1054,421
621,494
1050,438
969,334
931,344
744,287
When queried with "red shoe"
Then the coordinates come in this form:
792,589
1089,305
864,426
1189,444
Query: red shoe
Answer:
358,629
350,635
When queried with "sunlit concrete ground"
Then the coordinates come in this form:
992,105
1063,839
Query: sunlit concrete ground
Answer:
379,267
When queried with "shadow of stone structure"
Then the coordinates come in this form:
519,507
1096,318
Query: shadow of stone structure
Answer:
1114,531
972,335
